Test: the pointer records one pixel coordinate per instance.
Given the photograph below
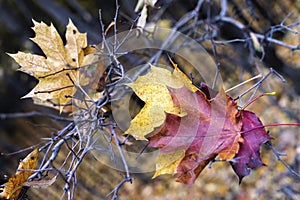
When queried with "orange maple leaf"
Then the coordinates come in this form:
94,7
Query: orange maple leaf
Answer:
15,183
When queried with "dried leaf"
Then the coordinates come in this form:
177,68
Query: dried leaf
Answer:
202,132
142,3
248,156
14,185
56,69
152,89
206,126
144,13
168,163
143,18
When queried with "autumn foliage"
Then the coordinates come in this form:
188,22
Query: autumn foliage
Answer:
194,126
190,125
58,71
15,183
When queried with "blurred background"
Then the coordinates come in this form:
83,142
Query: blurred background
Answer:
238,62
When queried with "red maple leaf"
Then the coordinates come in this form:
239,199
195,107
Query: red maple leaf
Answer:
211,127
248,156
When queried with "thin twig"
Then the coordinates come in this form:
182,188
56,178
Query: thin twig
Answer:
240,84
278,156
127,177
4,116
260,82
259,36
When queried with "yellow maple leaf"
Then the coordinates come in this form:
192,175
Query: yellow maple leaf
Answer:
58,72
168,163
14,185
153,90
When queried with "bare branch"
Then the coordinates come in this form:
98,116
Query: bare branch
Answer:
4,116
279,155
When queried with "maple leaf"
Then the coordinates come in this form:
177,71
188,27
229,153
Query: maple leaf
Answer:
201,133
15,183
168,163
152,89
59,70
248,156
211,126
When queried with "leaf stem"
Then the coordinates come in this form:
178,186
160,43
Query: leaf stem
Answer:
272,71
270,125
254,99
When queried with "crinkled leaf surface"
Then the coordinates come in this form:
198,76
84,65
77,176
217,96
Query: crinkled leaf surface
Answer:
209,127
14,185
58,68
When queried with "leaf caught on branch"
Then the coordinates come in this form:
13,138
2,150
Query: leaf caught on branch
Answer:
15,183
58,71
190,127
153,90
